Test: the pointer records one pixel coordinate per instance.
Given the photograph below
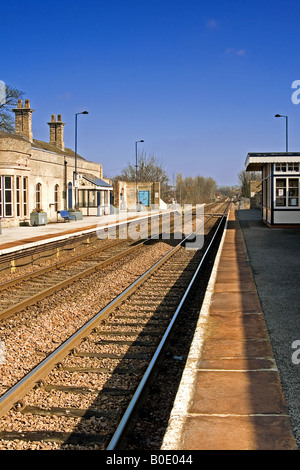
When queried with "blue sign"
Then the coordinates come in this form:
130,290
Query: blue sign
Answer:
144,198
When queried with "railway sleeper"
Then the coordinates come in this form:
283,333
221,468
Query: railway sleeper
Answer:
127,333
70,412
151,319
103,370
58,437
123,342
111,355
86,390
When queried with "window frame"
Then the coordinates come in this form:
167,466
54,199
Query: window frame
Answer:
25,198
284,168
6,201
287,190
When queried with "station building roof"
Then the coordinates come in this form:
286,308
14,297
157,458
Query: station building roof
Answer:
255,161
96,181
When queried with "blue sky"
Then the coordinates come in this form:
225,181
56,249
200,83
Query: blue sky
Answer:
199,81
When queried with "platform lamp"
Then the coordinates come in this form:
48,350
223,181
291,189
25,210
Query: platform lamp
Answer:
136,173
76,175
286,130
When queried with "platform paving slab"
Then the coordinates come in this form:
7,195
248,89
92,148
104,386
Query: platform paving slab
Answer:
235,398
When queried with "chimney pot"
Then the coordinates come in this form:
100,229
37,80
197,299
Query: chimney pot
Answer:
27,104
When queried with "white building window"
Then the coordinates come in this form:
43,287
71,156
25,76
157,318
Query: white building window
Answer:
25,179
287,192
287,167
6,196
18,196
293,192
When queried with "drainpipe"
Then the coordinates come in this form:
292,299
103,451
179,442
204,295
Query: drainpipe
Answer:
65,184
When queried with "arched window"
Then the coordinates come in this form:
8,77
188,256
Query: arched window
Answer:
56,189
38,196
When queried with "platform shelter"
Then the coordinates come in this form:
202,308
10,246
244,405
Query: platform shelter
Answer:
280,186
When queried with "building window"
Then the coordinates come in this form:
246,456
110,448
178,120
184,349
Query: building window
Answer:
38,196
106,198
24,196
287,192
287,167
8,212
56,189
6,196
92,199
280,167
293,194
18,196
293,167
87,198
280,192
82,198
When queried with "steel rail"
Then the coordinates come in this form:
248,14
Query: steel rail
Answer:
51,290
17,391
8,312
136,397
58,264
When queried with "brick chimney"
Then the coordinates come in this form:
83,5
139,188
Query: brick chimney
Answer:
57,131
23,122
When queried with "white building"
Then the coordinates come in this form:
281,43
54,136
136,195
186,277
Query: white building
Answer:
280,186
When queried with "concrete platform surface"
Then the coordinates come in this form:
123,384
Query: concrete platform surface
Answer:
15,238
231,395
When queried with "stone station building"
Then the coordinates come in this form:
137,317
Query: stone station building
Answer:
126,194
37,175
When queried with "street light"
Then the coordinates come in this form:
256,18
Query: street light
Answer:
286,130
76,180
136,173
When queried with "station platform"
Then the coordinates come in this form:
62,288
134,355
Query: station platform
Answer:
17,238
231,394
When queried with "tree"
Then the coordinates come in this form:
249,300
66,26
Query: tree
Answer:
194,190
245,179
229,191
149,169
8,100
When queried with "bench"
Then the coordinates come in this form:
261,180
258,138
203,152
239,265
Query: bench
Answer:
66,216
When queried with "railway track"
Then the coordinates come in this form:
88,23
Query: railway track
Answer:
30,288
85,386
19,292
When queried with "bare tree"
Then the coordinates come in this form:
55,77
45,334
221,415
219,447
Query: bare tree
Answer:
245,178
149,169
8,100
194,190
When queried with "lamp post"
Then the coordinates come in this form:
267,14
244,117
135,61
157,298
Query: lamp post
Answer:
286,130
76,179
136,173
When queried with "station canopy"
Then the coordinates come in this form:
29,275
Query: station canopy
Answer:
101,184
255,161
